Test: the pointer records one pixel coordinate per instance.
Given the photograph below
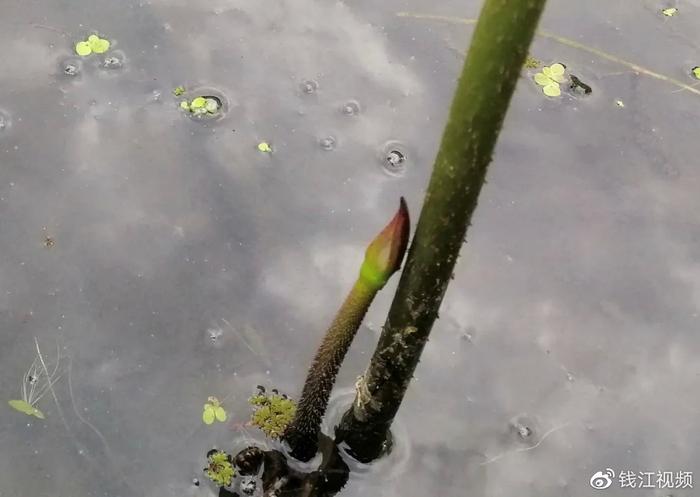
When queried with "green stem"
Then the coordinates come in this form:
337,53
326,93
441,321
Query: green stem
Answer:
499,46
302,432
383,258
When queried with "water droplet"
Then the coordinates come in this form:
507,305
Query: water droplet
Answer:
351,108
327,143
112,62
393,158
309,86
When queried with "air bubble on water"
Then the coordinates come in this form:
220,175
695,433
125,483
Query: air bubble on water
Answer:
71,67
393,157
308,86
524,432
468,334
351,108
328,143
214,336
113,61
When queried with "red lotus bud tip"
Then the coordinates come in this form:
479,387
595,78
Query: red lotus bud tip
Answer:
384,255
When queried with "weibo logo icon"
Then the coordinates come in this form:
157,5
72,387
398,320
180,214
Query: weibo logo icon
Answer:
602,479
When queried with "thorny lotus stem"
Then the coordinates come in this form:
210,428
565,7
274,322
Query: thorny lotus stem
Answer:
499,45
382,259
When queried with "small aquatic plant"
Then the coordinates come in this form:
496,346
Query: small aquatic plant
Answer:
93,44
179,90
264,147
549,79
531,62
213,410
36,382
220,468
272,412
695,71
670,11
202,106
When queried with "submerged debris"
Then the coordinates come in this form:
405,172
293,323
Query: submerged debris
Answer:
579,86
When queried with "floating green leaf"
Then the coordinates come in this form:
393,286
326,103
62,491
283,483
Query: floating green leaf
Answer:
552,90
26,408
208,414
198,103
696,72
264,147
549,79
671,11
93,44
179,91
83,48
97,44
542,79
213,410
555,72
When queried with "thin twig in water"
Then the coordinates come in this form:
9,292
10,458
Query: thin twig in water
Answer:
240,335
525,449
49,383
50,28
569,43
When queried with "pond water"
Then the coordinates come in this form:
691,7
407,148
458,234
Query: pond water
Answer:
172,258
